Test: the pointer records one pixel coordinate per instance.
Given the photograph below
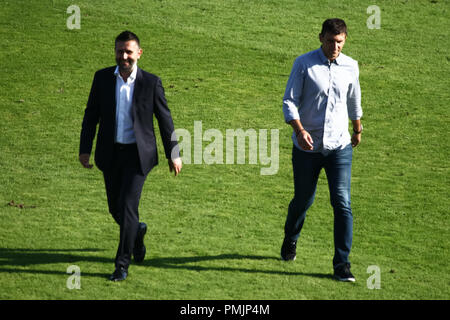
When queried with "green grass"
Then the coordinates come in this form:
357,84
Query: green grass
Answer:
215,231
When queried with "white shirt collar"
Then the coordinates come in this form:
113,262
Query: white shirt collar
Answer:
132,76
324,59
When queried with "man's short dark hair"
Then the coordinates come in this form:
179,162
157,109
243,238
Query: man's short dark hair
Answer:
334,26
127,36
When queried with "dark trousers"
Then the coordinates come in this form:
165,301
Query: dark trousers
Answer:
307,166
124,183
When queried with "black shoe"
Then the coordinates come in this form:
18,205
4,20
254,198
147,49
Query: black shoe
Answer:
342,273
289,250
139,249
119,274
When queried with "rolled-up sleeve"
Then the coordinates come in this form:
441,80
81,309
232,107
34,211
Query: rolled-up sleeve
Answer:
293,93
354,97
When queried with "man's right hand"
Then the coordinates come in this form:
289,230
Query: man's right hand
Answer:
304,140
84,160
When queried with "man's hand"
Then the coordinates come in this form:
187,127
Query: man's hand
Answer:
175,165
357,129
304,140
356,139
84,160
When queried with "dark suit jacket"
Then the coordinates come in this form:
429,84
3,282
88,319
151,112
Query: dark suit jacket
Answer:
148,100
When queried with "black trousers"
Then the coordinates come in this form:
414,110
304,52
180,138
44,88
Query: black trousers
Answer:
124,183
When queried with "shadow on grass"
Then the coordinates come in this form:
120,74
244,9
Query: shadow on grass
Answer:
183,263
19,261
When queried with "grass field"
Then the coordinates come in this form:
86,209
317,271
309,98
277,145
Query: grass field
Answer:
215,231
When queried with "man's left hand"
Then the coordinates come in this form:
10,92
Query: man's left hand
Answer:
356,139
175,165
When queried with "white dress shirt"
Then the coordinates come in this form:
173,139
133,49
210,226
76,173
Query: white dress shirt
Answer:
323,95
124,102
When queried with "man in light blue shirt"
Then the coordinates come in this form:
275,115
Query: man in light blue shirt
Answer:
322,93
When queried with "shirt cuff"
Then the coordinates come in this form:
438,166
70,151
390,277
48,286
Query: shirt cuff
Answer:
290,111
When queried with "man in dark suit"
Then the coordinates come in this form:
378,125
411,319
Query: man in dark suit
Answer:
123,101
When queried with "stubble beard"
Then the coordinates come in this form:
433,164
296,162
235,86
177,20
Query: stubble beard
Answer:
126,69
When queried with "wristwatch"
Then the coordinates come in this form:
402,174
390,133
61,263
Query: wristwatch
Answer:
358,132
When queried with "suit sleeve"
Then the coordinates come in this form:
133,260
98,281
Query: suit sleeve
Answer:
165,122
90,119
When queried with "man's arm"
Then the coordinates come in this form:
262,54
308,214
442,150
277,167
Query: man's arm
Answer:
291,101
293,92
84,160
166,129
175,165
357,129
354,107
304,139
89,126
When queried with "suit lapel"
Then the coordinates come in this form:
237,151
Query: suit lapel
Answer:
137,89
111,85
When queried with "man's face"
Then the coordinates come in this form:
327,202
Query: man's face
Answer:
127,54
332,44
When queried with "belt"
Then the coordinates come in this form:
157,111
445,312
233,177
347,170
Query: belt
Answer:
120,146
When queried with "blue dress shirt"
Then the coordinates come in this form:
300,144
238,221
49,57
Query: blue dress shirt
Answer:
323,95
124,102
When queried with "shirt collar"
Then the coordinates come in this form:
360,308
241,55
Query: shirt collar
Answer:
339,59
132,76
324,59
